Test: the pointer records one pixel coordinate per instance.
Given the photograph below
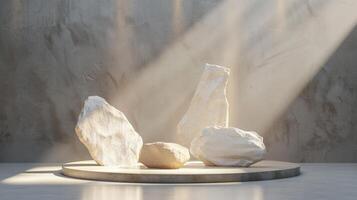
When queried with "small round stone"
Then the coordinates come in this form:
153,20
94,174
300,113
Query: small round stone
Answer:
164,155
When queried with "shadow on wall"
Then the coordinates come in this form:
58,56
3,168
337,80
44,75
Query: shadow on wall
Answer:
273,56
321,124
53,54
145,58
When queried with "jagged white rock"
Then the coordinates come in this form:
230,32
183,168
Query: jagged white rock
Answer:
228,147
209,105
109,137
164,155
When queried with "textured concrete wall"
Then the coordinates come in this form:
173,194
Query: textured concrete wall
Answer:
294,74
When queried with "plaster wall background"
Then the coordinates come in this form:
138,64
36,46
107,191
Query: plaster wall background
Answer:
294,71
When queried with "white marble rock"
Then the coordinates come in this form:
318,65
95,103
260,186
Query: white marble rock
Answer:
109,137
228,147
164,155
209,105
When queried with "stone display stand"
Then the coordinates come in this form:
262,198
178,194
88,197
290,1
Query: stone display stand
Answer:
192,172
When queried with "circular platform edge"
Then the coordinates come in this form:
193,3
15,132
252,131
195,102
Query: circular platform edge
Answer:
182,178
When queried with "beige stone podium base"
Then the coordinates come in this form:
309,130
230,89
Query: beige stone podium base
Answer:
192,172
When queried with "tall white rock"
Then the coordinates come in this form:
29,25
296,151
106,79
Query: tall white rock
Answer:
109,137
228,147
209,105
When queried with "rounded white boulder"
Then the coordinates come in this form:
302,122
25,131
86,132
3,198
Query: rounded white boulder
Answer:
164,155
228,147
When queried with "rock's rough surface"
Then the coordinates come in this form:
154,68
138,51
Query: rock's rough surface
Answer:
109,137
209,105
164,155
228,147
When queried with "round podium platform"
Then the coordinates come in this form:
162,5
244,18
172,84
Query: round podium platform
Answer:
192,172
